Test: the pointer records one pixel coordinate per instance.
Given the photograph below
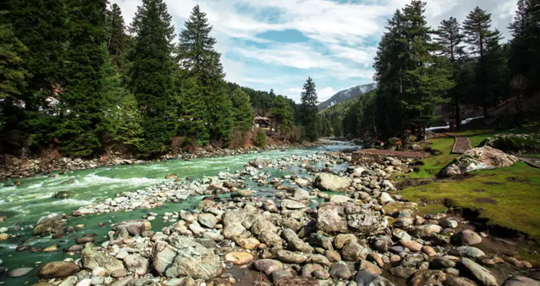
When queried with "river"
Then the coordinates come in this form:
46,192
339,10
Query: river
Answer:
25,204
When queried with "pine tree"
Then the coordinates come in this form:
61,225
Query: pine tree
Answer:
524,49
481,40
428,76
122,118
196,54
309,112
242,112
191,111
82,101
116,43
41,25
13,76
151,75
450,42
283,114
390,65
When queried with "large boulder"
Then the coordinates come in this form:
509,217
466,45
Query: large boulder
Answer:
364,278
58,269
185,257
233,222
477,272
91,259
50,224
335,218
134,227
520,281
484,158
332,183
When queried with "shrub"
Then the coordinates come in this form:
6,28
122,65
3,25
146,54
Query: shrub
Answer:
260,139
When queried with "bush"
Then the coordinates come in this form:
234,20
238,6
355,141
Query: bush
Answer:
260,139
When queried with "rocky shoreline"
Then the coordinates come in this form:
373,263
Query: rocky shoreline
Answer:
324,226
15,168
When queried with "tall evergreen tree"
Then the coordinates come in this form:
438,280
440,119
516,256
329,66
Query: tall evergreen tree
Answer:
196,54
524,49
42,26
82,101
481,39
390,66
450,40
283,114
151,75
191,112
13,77
242,112
309,112
116,43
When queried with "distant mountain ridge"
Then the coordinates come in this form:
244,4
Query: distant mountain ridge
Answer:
347,94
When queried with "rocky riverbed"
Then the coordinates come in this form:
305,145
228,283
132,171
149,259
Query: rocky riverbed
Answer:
324,223
13,168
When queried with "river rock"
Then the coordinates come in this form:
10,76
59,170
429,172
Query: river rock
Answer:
341,239
339,199
349,218
340,270
467,251
364,278
266,232
295,243
353,251
232,222
308,269
134,227
427,277
268,266
239,258
477,272
247,242
319,240
301,195
482,158
137,264
520,281
50,224
372,268
20,272
466,237
92,258
63,195
333,183
403,272
278,274
427,230
85,282
291,257
208,220
58,269
292,205
185,257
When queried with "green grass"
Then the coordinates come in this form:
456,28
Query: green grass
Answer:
435,164
508,196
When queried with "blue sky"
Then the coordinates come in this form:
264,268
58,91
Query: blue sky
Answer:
279,43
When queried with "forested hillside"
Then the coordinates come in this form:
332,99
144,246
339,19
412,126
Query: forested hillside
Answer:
419,69
77,81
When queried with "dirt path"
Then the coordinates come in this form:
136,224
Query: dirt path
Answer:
461,144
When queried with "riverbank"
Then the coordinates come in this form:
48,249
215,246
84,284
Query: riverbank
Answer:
14,168
305,220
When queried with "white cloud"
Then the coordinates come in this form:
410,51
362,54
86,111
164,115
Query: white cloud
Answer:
342,36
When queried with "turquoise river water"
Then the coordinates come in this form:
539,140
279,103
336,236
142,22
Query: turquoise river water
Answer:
25,204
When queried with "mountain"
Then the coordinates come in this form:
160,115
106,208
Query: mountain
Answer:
347,94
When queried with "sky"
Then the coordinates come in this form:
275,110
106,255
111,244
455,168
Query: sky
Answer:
278,44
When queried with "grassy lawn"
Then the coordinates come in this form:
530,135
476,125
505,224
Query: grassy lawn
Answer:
508,197
435,164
